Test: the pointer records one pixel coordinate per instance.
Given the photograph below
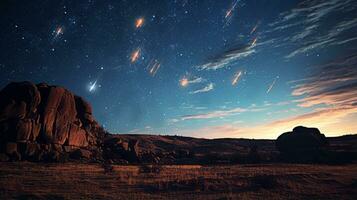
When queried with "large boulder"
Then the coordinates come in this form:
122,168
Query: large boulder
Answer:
42,116
302,144
117,150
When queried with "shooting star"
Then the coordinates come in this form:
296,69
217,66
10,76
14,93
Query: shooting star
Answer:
184,82
254,28
229,12
254,42
139,22
237,76
272,84
135,55
154,66
58,32
92,86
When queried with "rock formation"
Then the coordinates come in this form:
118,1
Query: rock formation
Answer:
302,144
42,122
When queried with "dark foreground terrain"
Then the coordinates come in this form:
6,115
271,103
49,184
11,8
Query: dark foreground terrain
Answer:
23,180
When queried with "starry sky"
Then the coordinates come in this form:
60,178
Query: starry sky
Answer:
202,68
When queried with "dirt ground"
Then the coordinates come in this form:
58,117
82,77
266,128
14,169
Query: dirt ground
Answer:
24,180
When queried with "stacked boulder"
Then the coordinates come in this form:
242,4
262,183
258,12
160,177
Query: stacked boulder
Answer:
46,123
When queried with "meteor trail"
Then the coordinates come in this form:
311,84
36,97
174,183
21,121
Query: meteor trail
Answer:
184,82
231,9
135,55
254,42
272,85
59,31
237,77
154,67
93,86
254,28
139,22
229,13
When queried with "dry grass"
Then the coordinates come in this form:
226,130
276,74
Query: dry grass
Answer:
90,181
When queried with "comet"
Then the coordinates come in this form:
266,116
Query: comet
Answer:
139,22
135,55
237,77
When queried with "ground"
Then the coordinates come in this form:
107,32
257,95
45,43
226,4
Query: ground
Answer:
24,180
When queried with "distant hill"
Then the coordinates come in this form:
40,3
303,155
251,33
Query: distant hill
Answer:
43,123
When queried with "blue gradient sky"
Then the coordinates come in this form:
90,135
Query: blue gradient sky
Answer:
298,67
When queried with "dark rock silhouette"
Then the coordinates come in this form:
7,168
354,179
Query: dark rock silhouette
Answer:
42,122
50,124
301,138
302,144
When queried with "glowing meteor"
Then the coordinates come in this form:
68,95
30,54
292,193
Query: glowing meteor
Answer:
254,29
184,82
272,85
228,13
231,9
59,31
237,77
93,86
254,42
154,67
139,22
135,55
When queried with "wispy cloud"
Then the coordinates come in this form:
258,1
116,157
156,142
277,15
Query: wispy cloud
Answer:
187,80
333,84
215,114
207,88
330,121
333,87
228,57
301,26
196,80
221,113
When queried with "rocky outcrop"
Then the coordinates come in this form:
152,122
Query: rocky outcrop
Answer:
118,150
302,144
41,122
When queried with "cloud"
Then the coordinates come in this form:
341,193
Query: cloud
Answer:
333,84
214,114
207,88
330,93
301,27
330,121
221,113
196,80
228,57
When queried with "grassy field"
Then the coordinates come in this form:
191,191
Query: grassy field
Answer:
24,180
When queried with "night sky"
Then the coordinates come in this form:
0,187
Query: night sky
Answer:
202,68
